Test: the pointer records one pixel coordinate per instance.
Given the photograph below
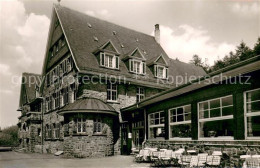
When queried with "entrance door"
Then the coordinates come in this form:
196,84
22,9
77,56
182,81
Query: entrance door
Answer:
125,140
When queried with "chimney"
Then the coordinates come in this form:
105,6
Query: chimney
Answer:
157,33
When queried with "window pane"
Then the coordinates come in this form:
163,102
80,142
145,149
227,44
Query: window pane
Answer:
214,113
179,110
255,106
226,101
187,109
156,115
162,120
157,132
180,131
253,126
157,121
180,118
254,95
204,114
216,128
214,103
187,116
173,112
227,111
203,106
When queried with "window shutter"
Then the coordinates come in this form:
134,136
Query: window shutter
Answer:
155,70
166,73
131,65
144,67
102,59
117,62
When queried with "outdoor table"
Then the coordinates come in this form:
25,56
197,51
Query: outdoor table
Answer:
244,156
255,156
217,153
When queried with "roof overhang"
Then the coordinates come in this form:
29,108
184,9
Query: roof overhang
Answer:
62,112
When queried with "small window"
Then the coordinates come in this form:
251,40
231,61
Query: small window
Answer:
109,60
140,94
81,125
137,66
97,125
161,72
112,92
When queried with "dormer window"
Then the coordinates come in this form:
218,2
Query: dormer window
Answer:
161,71
109,60
137,66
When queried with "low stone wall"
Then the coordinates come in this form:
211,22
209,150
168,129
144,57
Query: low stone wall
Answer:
205,145
88,146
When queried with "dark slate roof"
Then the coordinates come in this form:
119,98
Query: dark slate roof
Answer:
82,43
88,105
29,82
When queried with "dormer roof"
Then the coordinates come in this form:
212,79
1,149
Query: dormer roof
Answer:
107,47
135,54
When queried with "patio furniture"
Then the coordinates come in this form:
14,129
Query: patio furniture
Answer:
252,163
213,161
166,157
202,159
139,157
185,160
194,161
217,153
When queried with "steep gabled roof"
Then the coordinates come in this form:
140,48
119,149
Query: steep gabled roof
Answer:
28,86
85,35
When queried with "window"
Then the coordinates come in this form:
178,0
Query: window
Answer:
56,100
216,117
69,64
81,124
66,95
49,131
112,92
48,103
63,41
73,92
161,72
61,98
137,66
139,94
97,125
156,125
180,122
57,48
109,60
252,113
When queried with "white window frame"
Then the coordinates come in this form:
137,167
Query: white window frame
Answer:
214,118
178,122
249,114
164,72
110,91
140,69
109,63
81,121
140,96
155,125
97,123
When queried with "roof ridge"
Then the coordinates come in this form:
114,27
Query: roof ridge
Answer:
60,6
30,73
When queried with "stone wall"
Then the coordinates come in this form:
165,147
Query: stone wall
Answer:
52,146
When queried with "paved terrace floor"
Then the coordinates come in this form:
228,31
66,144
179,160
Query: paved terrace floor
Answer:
35,160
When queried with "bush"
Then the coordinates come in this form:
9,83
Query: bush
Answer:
9,136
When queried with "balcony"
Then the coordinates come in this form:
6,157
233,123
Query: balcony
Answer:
34,116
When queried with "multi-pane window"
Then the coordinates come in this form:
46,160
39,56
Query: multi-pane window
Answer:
252,113
109,60
49,103
66,95
137,66
156,125
216,117
112,92
140,94
97,125
180,122
81,125
56,100
161,72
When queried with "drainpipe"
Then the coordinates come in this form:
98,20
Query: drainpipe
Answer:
144,128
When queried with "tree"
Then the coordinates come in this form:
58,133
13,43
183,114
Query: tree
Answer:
196,60
256,49
243,51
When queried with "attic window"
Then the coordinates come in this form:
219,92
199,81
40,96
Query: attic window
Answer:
160,72
89,25
109,60
137,66
95,38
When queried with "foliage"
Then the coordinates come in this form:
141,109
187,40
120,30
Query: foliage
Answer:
242,53
9,136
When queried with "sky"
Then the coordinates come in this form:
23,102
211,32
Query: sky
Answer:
208,28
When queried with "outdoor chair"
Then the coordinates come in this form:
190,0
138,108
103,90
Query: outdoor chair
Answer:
166,157
202,159
213,161
139,157
194,161
252,163
184,160
155,158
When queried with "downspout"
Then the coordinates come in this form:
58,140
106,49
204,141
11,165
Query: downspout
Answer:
143,143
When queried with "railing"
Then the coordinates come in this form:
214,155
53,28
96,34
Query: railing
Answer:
35,116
